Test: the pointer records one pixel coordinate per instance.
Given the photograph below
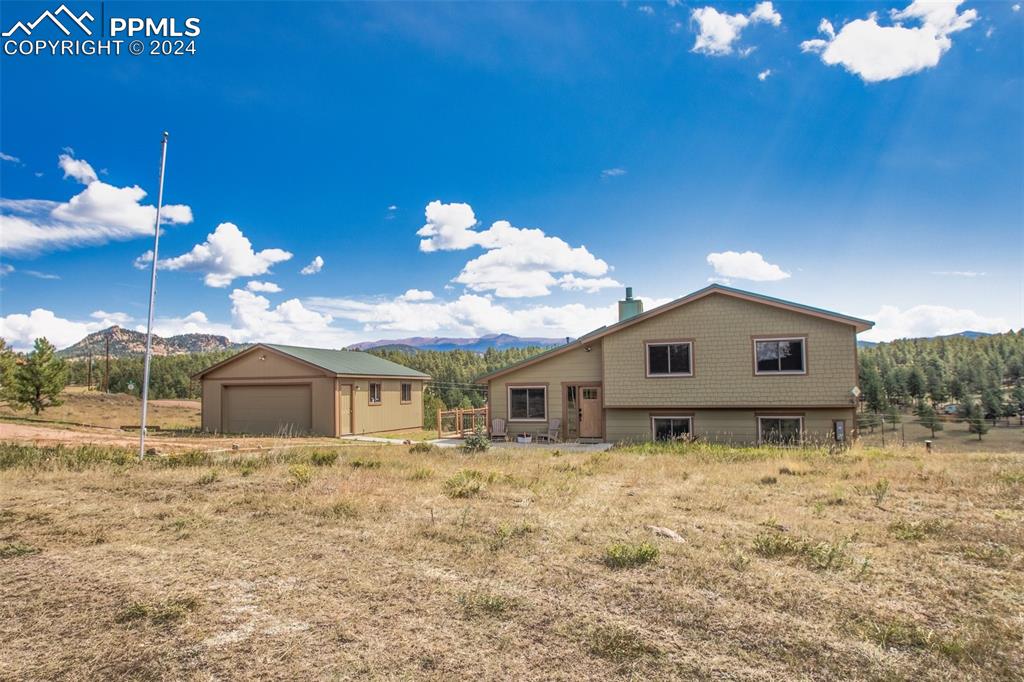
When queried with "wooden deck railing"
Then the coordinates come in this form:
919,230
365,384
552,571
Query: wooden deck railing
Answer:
457,423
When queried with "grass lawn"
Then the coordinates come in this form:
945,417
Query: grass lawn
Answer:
384,563
112,410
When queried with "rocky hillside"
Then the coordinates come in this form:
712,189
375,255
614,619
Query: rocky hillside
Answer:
125,343
477,344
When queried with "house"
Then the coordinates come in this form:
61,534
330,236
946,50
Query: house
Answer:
275,389
721,364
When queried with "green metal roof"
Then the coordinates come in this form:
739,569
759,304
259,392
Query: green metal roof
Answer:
348,361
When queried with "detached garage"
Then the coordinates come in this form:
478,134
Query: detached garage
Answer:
286,390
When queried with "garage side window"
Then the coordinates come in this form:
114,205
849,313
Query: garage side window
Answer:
374,394
527,403
406,393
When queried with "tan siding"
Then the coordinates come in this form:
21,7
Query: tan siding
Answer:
391,414
323,416
721,328
573,366
720,426
249,366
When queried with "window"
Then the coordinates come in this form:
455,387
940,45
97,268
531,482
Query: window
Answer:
406,393
528,403
779,356
671,428
375,394
669,359
780,430
590,394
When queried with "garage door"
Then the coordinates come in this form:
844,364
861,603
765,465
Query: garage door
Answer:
267,409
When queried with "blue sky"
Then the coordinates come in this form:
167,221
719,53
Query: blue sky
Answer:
870,165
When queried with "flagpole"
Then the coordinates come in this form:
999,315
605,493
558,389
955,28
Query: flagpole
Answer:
152,299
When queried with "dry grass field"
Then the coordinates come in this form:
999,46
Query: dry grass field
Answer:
383,562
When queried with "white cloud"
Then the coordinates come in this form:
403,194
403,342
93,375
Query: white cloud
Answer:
79,169
111,318
747,265
8,157
253,319
225,255
416,295
878,53
315,266
959,273
41,275
718,31
98,214
468,315
613,172
265,287
6,269
589,285
21,331
1015,7
517,262
392,207
763,76
646,9
928,320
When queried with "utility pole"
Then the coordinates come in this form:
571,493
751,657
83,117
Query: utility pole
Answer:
152,299
88,382
106,366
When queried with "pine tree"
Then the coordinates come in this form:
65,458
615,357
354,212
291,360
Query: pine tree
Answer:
8,363
976,419
917,383
39,381
992,403
929,419
1018,398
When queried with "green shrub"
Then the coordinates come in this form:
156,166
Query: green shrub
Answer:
879,491
630,555
465,483
342,509
209,477
361,463
323,458
904,529
423,447
14,549
817,555
421,474
191,458
478,441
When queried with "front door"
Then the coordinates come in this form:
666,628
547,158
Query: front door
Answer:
590,412
345,409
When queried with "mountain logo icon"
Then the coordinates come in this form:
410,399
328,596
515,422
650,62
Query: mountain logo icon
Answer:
69,16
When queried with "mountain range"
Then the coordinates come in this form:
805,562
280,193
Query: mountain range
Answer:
966,335
126,342
442,343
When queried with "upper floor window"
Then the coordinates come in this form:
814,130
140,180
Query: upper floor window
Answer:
374,394
780,356
670,359
406,393
527,403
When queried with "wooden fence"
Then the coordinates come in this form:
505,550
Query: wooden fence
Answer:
458,423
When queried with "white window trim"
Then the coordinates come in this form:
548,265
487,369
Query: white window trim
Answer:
654,431
508,403
760,439
803,356
647,359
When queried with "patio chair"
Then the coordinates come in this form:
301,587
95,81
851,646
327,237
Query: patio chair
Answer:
498,430
554,432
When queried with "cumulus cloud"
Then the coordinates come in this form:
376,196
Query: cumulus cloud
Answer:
98,214
747,265
928,320
315,266
265,287
21,330
8,157
718,31
1015,7
417,295
879,53
763,76
112,318
646,9
589,285
468,315
517,262
225,255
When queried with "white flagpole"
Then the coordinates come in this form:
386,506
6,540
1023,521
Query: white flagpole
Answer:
152,299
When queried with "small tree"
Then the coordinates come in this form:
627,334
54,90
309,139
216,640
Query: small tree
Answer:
992,404
39,381
1018,397
929,419
892,415
976,420
8,364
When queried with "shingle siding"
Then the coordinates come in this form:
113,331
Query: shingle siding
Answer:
721,425
722,328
